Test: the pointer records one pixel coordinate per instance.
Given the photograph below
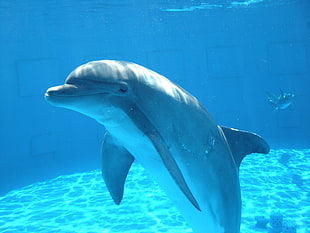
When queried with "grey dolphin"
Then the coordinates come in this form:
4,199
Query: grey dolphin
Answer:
283,101
166,129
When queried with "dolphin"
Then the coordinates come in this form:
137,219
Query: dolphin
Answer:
157,123
283,101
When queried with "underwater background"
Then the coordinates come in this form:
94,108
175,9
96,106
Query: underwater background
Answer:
230,54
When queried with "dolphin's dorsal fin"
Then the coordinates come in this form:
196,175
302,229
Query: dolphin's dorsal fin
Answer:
116,162
242,143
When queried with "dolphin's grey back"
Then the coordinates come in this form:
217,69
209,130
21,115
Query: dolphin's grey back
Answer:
149,78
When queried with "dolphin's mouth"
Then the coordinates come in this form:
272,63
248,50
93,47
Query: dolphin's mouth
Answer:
87,88
69,90
68,95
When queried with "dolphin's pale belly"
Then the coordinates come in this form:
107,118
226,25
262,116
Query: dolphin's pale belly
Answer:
140,146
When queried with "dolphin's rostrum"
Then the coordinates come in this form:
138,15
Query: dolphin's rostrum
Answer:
150,119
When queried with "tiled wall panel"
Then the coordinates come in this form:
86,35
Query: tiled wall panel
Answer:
35,75
287,58
224,62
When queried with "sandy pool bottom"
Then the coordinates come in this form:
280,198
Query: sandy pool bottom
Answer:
278,183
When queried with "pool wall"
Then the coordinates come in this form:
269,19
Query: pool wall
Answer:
227,58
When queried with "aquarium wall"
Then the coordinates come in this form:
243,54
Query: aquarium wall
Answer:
228,57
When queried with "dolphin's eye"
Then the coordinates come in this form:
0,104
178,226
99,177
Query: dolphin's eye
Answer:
123,88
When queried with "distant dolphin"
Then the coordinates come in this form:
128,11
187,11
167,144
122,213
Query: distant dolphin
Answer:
281,102
152,120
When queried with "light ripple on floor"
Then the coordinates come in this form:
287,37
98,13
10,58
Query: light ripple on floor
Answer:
274,183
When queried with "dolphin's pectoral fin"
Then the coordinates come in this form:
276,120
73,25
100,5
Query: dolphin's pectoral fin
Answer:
161,147
242,143
172,167
116,162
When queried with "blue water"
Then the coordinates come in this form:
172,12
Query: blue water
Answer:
277,183
227,53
